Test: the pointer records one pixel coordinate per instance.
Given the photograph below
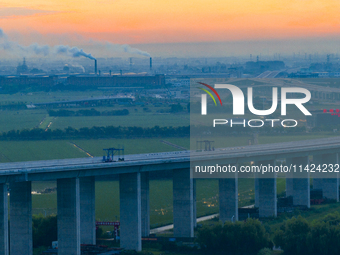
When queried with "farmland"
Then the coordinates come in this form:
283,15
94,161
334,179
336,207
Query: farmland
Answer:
22,119
149,115
107,192
12,151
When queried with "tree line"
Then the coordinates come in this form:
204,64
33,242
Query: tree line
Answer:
95,132
237,238
138,132
297,236
92,112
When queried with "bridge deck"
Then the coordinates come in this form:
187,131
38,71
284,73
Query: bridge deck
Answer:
243,153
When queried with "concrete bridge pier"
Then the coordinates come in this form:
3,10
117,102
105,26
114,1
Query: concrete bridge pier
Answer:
328,182
289,184
87,210
329,187
228,199
267,192
299,186
194,204
21,240
130,211
256,188
183,203
145,204
68,200
4,245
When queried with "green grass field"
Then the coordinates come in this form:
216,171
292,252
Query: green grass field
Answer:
13,151
18,120
28,119
107,192
21,119
53,96
139,119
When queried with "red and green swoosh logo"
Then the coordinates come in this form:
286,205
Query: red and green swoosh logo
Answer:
209,93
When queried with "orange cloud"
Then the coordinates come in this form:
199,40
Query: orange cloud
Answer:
150,21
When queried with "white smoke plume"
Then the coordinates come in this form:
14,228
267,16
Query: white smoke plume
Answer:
79,66
72,51
46,50
131,50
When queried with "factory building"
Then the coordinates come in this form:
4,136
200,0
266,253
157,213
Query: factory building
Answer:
22,68
28,81
84,81
116,81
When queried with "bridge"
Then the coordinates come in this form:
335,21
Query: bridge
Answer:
76,190
318,92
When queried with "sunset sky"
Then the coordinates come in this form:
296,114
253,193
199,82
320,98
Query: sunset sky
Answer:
176,23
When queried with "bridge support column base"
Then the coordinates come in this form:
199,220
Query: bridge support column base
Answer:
68,200
4,246
256,188
145,204
329,187
228,199
183,203
87,210
328,182
21,240
130,211
267,192
194,204
300,183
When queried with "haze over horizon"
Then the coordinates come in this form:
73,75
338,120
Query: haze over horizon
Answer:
176,29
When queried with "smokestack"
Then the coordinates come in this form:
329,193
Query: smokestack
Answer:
95,66
150,64
130,63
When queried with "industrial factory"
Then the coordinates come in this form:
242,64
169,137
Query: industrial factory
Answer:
94,80
88,81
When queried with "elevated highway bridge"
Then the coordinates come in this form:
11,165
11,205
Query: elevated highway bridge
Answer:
76,190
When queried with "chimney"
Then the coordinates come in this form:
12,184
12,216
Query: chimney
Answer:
150,64
110,72
95,66
130,63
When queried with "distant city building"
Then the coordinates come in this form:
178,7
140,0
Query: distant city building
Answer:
116,81
84,81
22,68
261,66
28,81
97,101
179,82
328,74
309,74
